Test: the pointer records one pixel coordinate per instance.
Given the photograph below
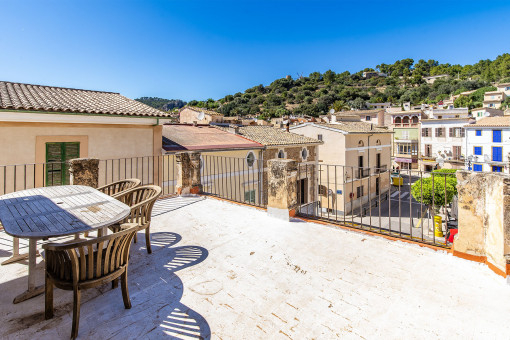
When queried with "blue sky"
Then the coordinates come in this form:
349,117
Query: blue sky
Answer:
206,49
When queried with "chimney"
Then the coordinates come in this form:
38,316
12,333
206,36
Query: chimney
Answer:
233,129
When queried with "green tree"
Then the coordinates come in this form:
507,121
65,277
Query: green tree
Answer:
340,105
463,101
432,191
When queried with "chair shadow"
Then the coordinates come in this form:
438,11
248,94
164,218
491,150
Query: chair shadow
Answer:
157,300
169,204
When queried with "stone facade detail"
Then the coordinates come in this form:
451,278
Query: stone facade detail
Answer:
484,219
188,173
84,171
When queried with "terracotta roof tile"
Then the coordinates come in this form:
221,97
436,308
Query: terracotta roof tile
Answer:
270,136
181,137
27,97
492,121
355,127
199,109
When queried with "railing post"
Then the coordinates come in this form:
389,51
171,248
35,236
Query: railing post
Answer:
188,173
84,171
282,188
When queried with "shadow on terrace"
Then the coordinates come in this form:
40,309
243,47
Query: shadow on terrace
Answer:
155,289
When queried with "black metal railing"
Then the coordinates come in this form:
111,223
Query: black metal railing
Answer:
159,170
403,204
235,179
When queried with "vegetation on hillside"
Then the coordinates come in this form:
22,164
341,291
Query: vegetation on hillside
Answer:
319,92
161,103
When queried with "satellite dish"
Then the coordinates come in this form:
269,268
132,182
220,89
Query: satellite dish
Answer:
332,111
255,119
201,115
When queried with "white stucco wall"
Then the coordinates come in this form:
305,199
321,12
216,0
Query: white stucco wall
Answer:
485,141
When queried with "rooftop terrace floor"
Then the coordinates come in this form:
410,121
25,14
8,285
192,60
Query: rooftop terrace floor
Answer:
224,271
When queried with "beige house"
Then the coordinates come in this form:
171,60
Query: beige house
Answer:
41,127
231,165
234,159
493,99
197,115
354,161
282,144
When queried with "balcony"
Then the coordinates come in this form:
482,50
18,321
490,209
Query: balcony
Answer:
362,173
381,169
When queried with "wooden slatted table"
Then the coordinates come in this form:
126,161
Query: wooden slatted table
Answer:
56,211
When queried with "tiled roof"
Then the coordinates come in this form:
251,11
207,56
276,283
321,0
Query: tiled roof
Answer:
199,109
182,137
364,112
27,97
492,121
270,136
355,127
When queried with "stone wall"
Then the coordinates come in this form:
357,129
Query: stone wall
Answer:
188,173
84,171
282,188
484,219
294,153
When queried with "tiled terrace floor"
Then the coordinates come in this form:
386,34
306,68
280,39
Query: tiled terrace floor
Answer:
225,271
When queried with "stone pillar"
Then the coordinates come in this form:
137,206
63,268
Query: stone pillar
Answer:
189,179
484,219
282,188
84,171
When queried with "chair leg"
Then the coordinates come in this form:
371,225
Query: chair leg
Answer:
148,240
135,238
76,312
125,292
48,298
115,283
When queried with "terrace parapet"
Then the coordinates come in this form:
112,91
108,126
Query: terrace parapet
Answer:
484,219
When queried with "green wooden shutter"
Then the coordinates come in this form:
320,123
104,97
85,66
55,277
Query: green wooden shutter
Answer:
57,154
71,151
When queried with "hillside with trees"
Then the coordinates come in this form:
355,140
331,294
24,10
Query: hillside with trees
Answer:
318,92
162,104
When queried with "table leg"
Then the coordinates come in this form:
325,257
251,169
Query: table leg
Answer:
32,289
16,256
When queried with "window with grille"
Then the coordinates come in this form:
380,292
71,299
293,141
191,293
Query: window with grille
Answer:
456,152
359,191
428,150
249,196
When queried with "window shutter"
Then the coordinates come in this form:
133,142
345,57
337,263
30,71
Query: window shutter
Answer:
53,164
496,136
452,132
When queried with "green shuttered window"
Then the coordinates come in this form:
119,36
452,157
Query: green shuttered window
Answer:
57,154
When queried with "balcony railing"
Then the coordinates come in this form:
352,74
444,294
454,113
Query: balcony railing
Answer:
381,169
362,173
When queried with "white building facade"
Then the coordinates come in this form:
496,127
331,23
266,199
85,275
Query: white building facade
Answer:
488,145
443,143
